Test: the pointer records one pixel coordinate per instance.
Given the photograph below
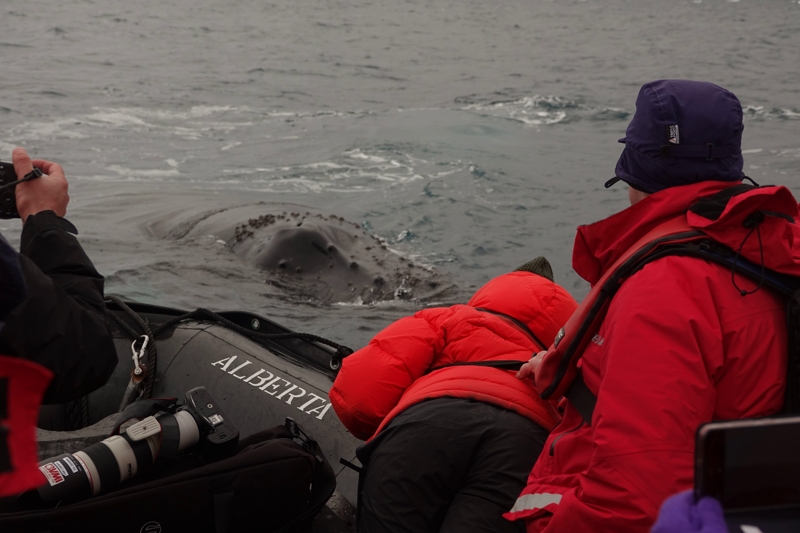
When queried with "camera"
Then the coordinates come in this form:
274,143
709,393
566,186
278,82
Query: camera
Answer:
198,426
8,191
8,196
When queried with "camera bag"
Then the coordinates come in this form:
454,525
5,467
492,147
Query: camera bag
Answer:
277,482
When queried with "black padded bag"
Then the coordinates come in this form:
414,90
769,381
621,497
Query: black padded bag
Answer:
277,482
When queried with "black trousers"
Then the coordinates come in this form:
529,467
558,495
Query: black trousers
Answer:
447,465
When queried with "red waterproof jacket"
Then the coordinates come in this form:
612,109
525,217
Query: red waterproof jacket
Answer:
393,372
679,346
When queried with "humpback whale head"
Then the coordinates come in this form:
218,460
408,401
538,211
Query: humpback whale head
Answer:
323,257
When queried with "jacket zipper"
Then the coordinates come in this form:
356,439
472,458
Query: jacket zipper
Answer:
553,445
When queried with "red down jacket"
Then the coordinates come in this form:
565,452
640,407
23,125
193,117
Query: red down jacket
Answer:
392,372
679,346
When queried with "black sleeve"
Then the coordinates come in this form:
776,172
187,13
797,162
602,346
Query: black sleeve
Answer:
63,323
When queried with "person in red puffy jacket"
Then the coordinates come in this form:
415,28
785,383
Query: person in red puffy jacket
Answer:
451,442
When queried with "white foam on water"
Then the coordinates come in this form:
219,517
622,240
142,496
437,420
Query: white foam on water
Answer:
169,115
533,110
358,154
5,150
191,124
229,146
752,151
760,112
206,110
142,173
116,118
65,128
330,165
248,171
316,114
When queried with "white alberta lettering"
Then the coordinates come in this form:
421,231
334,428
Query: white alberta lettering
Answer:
292,396
270,383
309,402
317,410
281,395
263,380
227,361
233,372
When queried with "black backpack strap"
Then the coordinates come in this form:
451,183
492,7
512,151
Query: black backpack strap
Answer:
581,398
323,483
791,403
584,400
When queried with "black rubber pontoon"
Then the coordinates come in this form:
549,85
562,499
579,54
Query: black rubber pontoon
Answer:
259,382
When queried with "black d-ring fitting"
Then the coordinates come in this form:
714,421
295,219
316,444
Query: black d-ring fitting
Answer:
341,353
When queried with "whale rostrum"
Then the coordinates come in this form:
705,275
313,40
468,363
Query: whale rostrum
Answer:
314,255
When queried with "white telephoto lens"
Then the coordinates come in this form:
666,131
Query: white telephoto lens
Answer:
91,470
124,455
190,433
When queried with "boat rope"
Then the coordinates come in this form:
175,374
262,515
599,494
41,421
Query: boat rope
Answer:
341,351
152,355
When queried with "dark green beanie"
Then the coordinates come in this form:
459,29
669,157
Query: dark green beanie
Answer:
540,266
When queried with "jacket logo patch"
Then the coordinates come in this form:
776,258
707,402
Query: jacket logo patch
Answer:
673,135
558,338
598,340
276,386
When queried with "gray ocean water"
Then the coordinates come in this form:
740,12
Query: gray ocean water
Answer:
472,136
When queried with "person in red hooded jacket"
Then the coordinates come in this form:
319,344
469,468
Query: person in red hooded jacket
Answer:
685,340
451,442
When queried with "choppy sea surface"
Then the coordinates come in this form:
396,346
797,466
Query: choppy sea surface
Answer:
470,136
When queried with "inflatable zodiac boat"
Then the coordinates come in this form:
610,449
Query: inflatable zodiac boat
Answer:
259,371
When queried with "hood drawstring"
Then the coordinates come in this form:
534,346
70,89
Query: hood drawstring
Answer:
753,222
751,180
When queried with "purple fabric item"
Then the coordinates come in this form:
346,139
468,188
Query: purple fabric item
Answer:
682,514
683,132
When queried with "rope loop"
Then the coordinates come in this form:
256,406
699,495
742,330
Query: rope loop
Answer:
341,351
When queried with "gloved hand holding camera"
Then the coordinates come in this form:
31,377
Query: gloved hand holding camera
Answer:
47,192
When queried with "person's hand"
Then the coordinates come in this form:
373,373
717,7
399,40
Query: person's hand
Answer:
47,193
528,370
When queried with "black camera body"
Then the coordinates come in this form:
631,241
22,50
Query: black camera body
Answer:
8,195
164,430
218,436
